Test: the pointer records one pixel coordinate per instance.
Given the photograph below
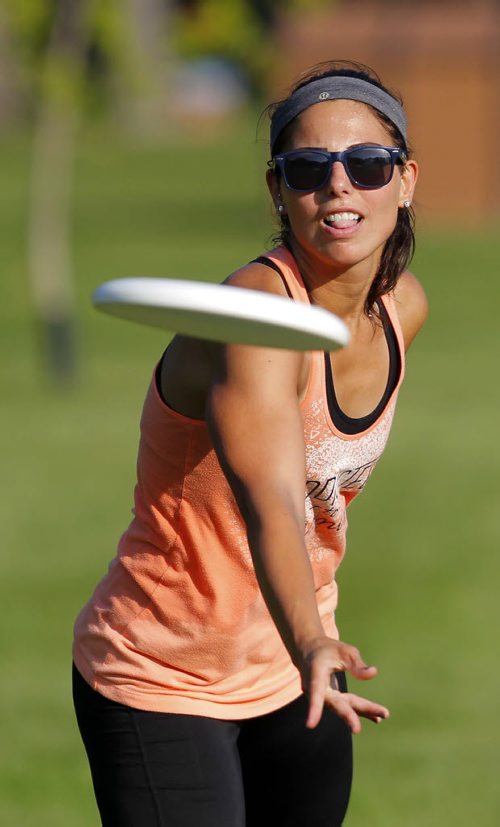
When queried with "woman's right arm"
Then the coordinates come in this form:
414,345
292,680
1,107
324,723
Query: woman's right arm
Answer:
256,425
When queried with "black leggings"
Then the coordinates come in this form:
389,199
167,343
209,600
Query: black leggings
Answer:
166,770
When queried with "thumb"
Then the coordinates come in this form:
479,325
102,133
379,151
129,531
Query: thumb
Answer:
355,664
363,672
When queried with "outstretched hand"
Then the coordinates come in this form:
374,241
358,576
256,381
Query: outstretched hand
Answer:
322,659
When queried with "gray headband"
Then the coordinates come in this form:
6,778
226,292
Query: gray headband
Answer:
339,87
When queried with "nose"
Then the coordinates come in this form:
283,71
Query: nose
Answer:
339,179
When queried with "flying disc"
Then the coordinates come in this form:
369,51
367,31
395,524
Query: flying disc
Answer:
222,313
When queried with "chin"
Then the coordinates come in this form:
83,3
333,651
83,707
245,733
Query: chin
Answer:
350,254
346,256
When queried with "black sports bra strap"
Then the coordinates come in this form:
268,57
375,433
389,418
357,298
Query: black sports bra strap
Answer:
272,264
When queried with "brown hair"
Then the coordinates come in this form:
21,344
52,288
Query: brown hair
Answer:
400,246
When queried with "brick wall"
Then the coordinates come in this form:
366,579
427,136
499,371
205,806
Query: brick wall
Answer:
444,58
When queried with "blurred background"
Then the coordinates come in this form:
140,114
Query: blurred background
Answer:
129,146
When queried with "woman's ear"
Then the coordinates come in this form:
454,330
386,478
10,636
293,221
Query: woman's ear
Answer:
273,187
409,177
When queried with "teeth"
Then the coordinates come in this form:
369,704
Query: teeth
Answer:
337,217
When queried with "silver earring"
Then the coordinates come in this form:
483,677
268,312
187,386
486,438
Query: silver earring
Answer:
407,204
280,209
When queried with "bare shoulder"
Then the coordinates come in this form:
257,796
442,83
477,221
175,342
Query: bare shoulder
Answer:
280,364
257,276
191,366
412,305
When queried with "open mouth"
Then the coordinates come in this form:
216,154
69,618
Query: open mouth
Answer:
342,220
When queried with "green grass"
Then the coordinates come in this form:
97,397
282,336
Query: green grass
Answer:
418,587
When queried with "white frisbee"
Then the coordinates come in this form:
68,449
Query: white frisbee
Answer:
222,313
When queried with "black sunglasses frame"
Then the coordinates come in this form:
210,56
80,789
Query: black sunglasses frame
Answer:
396,155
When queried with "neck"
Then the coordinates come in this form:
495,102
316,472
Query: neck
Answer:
342,290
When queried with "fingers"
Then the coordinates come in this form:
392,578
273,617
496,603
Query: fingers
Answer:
320,684
351,707
324,689
318,687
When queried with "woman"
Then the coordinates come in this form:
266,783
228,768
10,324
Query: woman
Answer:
209,679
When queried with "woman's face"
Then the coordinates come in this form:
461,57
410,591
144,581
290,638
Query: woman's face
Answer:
359,237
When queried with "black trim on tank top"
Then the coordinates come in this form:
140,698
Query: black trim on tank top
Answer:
269,263
347,424
355,425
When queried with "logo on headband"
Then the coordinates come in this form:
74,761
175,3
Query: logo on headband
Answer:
323,96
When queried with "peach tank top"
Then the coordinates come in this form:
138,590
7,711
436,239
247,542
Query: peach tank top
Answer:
178,623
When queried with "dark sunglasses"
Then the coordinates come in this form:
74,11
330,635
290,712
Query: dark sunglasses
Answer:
368,167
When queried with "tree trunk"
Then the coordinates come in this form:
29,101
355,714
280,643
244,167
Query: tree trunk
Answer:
145,99
49,241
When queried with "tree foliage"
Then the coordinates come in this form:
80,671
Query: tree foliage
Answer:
239,31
